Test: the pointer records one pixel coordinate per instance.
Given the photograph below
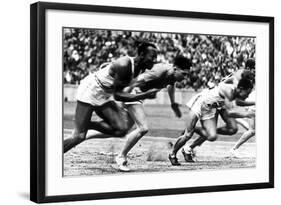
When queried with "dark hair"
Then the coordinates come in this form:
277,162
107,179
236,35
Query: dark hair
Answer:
142,46
245,84
182,62
250,63
248,75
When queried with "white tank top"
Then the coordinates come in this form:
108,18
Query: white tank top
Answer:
213,98
103,77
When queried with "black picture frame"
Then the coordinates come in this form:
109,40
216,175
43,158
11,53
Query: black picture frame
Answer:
38,100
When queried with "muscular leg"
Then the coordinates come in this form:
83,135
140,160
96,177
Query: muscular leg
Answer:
83,115
101,126
116,121
187,150
246,135
203,134
244,138
243,123
210,125
191,122
231,125
201,139
207,132
137,113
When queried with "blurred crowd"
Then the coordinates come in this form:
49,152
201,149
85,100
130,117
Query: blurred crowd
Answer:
211,57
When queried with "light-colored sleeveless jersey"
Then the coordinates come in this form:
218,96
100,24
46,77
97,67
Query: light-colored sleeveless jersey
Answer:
105,79
205,103
97,88
213,98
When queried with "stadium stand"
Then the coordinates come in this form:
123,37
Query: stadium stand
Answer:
211,57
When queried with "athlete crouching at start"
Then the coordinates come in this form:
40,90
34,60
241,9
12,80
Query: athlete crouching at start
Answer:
162,75
97,92
204,106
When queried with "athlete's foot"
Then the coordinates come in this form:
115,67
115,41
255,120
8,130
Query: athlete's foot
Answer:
122,163
188,155
174,160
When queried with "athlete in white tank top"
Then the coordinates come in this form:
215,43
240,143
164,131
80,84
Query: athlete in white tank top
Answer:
105,79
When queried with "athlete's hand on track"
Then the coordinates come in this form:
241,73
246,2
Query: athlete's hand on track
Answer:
176,109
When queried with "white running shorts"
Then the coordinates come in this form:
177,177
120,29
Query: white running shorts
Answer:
91,92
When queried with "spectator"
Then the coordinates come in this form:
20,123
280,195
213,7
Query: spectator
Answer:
212,57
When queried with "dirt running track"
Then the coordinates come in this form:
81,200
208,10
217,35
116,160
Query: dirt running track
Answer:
96,156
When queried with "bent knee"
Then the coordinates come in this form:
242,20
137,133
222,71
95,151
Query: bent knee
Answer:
212,137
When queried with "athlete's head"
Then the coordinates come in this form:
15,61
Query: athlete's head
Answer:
244,88
247,74
147,53
182,67
182,62
250,64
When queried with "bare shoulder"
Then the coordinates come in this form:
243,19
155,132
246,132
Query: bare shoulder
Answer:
227,90
122,62
238,74
227,87
122,66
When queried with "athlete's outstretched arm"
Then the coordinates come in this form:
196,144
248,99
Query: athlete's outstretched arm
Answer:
171,92
174,105
240,114
128,97
122,77
135,83
240,102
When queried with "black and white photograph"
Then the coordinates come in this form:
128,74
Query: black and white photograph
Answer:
138,101
132,102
